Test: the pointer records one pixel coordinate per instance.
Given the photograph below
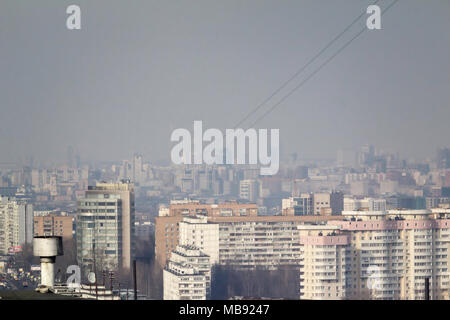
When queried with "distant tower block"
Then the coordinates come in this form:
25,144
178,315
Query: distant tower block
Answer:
47,248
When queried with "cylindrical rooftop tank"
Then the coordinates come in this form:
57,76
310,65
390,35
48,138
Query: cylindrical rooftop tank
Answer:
47,248
50,246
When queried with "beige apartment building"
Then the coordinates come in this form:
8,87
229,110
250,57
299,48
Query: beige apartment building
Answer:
192,208
324,262
54,225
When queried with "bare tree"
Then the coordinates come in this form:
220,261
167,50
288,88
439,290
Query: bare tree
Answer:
228,281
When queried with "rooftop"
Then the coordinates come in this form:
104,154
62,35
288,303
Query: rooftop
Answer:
31,295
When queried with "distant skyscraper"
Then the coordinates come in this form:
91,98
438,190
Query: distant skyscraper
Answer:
443,158
105,226
137,168
249,190
313,204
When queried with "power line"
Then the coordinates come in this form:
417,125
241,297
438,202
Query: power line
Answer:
299,71
316,71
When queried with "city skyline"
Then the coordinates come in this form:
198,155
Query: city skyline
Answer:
225,150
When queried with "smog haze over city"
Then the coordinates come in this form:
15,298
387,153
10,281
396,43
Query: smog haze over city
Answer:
236,151
137,70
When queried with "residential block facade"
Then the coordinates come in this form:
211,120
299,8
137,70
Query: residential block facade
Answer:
187,275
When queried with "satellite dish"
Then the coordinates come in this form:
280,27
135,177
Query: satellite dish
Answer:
91,277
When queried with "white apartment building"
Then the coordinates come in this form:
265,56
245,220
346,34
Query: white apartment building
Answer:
197,231
187,275
247,244
16,224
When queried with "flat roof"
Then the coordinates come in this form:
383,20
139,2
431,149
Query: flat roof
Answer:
364,213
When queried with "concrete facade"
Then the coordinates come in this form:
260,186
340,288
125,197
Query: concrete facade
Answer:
187,275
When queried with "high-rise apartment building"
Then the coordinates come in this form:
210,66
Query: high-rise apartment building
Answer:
324,262
16,224
388,255
248,242
105,226
357,255
167,223
198,232
187,275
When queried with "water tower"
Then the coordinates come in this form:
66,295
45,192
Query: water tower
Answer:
47,248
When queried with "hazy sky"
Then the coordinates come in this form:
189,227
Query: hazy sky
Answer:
139,69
